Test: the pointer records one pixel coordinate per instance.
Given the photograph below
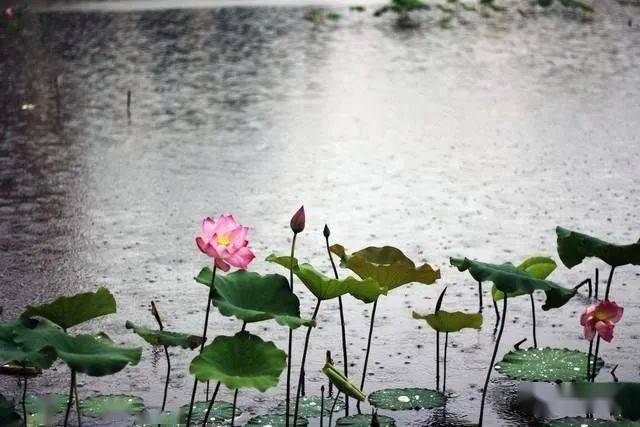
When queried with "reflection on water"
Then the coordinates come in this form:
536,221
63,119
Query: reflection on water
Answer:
475,141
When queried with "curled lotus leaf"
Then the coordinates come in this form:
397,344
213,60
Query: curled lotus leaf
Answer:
386,265
574,247
325,288
157,337
539,267
444,321
252,297
365,420
546,365
403,399
342,383
103,405
74,310
510,280
241,361
25,341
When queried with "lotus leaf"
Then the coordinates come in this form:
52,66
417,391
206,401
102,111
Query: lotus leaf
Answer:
510,279
25,341
220,412
70,311
309,406
386,265
590,422
444,321
574,247
342,383
252,297
625,396
546,365
402,399
165,338
108,404
539,267
324,288
8,416
243,360
275,421
364,420
41,409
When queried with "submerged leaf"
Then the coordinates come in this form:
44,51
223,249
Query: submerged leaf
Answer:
108,404
510,280
253,297
165,338
386,265
574,247
342,383
444,321
539,267
325,288
241,361
365,420
309,406
74,310
403,399
42,409
546,365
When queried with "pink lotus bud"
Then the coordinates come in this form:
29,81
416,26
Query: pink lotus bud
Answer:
9,13
297,221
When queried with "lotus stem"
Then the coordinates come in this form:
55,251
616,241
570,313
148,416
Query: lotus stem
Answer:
495,307
233,409
595,360
24,400
213,399
304,359
613,374
289,348
334,407
533,317
479,297
366,357
75,390
70,401
606,294
204,338
493,360
342,325
519,343
156,315
330,360
589,360
597,281
444,367
437,360
321,406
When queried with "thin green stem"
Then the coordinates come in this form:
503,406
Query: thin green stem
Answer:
233,410
24,400
533,316
437,360
302,365
70,401
595,360
204,338
289,347
366,357
333,407
213,399
444,367
589,360
493,360
75,389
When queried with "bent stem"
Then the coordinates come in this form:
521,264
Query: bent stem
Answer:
289,349
444,368
70,401
304,359
342,327
366,357
156,315
606,293
204,338
495,307
493,360
533,316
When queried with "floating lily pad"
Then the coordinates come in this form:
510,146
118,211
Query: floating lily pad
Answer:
444,321
325,288
574,247
70,311
253,297
109,404
243,360
41,409
624,396
363,420
402,399
309,406
165,338
220,412
546,365
386,265
275,421
587,422
540,267
8,416
510,280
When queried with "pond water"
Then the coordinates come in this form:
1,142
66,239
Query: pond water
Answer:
475,141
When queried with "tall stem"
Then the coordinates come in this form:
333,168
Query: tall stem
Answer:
589,360
342,327
304,359
595,360
233,410
24,401
597,281
479,297
533,316
75,389
333,407
213,399
70,401
493,360
321,406
444,367
289,348
204,338
606,294
156,315
437,360
366,357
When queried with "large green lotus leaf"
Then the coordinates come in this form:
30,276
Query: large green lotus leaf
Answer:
220,412
26,341
444,321
364,420
165,338
95,355
573,247
103,405
8,416
309,406
324,288
403,399
386,265
510,279
546,365
243,360
588,422
342,383
41,409
539,267
275,421
252,297
70,311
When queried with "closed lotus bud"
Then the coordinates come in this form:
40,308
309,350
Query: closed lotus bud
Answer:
297,221
343,383
326,232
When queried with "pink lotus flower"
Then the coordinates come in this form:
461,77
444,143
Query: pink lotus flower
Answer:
226,242
9,13
600,318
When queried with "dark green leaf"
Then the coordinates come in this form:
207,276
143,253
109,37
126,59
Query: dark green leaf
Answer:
402,399
25,341
590,422
275,421
109,404
539,267
574,247
8,416
309,406
364,420
41,410
165,338
444,321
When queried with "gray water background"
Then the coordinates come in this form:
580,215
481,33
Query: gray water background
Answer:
475,141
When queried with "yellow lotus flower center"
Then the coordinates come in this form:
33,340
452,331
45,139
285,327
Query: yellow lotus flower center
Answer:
223,240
